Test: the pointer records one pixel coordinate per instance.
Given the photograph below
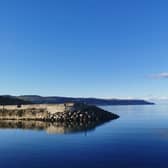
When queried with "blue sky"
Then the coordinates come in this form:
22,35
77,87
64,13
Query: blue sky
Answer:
84,48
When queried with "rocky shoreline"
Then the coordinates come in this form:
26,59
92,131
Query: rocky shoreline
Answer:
84,114
68,112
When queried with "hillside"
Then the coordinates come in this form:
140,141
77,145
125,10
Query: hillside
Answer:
10,100
92,101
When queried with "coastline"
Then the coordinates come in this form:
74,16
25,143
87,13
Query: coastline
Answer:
67,112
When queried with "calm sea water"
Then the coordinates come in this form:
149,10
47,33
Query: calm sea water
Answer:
138,139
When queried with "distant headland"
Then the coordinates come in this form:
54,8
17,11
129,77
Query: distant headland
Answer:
35,99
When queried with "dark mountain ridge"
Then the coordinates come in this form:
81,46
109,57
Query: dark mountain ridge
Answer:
11,100
91,101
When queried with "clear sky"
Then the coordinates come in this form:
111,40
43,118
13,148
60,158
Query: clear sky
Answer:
84,48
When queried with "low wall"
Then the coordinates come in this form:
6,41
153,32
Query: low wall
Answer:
51,108
68,112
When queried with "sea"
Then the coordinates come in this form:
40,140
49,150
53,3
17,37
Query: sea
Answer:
138,139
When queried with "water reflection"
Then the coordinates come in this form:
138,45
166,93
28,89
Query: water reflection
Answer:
49,127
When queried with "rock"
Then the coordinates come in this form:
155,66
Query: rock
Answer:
71,112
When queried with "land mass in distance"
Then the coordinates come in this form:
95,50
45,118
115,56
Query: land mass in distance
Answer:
35,99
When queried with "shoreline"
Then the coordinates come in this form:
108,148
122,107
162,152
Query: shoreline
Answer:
67,112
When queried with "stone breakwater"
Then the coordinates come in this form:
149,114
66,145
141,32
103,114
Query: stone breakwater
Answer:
83,114
68,112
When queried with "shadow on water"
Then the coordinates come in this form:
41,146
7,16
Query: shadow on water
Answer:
51,127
